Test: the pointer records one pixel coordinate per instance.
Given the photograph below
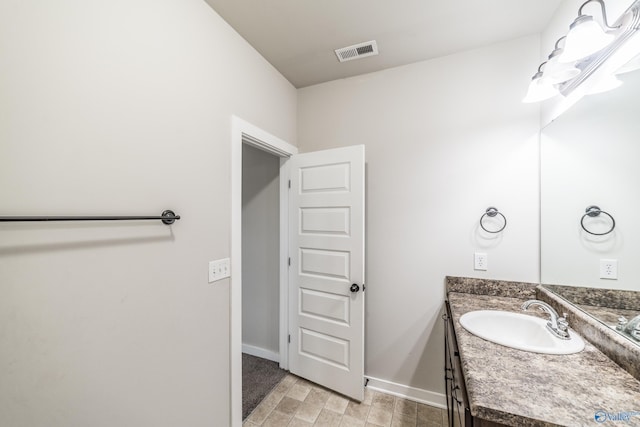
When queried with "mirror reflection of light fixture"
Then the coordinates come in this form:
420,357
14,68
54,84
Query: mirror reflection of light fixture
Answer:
630,66
605,84
540,88
586,36
556,71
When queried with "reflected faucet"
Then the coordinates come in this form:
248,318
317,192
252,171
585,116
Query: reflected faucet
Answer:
631,327
557,325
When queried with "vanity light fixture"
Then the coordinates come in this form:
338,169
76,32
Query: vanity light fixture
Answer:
540,88
588,59
556,71
605,84
586,36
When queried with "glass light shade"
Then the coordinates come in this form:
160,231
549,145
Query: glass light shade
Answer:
585,37
540,89
556,72
605,84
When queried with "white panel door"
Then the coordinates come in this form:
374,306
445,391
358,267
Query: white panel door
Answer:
326,301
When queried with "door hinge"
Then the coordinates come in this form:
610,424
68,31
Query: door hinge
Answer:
364,287
289,261
289,183
289,339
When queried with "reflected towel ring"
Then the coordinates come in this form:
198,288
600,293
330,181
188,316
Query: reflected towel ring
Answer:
594,211
492,212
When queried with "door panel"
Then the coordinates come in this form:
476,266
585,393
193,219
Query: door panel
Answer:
327,221
327,257
324,305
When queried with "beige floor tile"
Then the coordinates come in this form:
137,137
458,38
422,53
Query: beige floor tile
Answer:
304,383
379,416
289,380
308,412
368,396
317,396
288,406
282,387
337,404
348,421
297,422
384,401
357,410
401,420
299,391
328,418
430,424
406,407
259,414
277,419
295,402
272,399
429,413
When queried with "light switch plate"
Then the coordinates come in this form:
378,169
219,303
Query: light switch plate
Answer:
219,269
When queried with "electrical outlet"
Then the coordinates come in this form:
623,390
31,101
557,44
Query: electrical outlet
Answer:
219,269
480,261
609,269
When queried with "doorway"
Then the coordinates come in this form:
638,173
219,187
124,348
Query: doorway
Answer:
321,264
244,133
260,276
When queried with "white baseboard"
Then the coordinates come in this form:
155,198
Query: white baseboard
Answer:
407,392
261,352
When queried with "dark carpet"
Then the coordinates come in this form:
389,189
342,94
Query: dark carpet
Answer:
259,377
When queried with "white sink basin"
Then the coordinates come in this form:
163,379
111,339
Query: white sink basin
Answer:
519,331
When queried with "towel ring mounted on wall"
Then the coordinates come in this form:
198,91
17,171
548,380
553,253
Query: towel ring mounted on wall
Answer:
492,212
594,211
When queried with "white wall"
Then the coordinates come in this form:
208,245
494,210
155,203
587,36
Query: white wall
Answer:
120,107
445,139
260,250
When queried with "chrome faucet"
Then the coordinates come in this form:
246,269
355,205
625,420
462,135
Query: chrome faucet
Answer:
631,327
557,325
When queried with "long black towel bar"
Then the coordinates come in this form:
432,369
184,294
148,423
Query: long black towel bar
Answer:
167,217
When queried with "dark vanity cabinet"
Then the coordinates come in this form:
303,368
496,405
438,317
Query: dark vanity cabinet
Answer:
458,411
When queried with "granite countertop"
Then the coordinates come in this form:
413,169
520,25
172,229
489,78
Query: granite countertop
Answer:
520,388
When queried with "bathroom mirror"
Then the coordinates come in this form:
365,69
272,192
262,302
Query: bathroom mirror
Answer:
590,156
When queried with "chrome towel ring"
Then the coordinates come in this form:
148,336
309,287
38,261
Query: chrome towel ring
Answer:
492,212
594,211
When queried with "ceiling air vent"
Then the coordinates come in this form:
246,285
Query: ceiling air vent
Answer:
357,51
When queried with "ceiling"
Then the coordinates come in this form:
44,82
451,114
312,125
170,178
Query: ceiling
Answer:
298,37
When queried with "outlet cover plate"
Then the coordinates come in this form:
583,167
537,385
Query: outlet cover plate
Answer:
609,269
480,261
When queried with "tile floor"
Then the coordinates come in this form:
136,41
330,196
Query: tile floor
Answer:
295,402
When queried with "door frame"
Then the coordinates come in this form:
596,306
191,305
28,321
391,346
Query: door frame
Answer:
245,132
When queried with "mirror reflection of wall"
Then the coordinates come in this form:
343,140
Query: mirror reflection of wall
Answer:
591,156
